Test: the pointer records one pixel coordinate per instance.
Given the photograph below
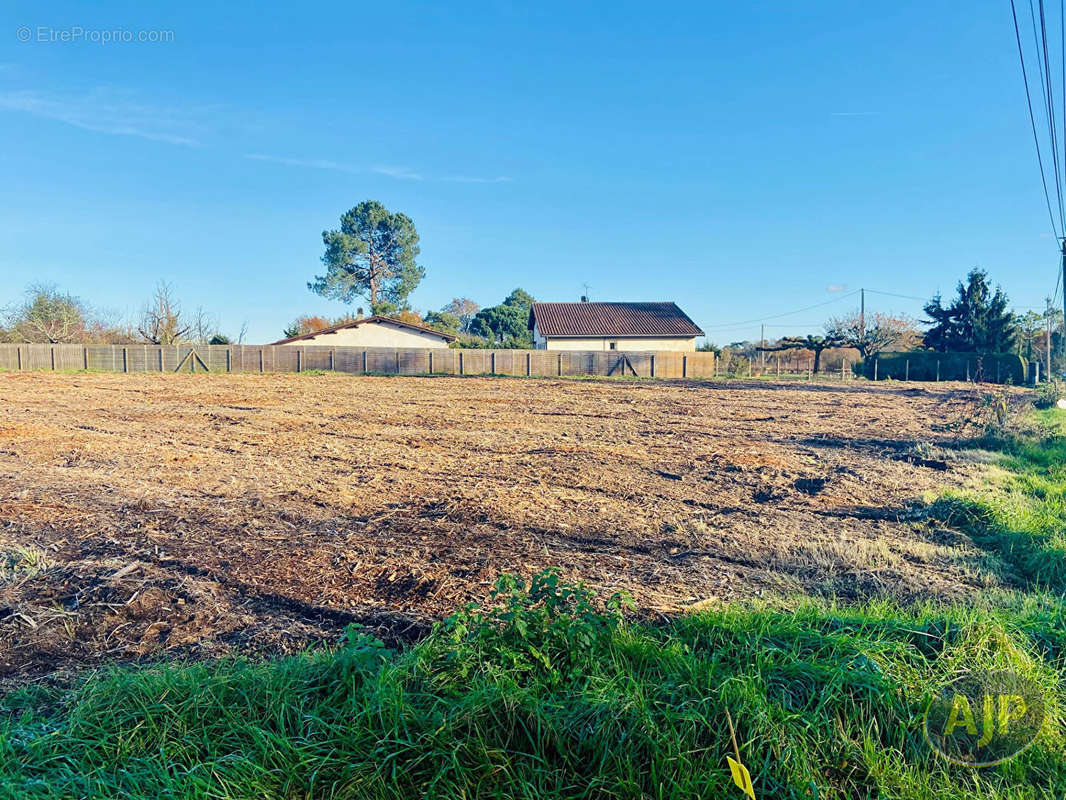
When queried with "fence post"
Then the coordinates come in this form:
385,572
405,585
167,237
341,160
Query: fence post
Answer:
85,357
684,366
938,370
299,359
430,353
810,369
460,362
332,360
560,367
967,370
716,366
364,361
529,364
907,370
653,365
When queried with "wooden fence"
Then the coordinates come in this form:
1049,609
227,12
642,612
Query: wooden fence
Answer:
354,360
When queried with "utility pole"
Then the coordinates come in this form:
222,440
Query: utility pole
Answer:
762,342
1063,301
1047,315
862,302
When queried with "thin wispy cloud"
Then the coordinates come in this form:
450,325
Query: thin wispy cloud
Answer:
396,172
400,173
836,288
105,111
469,179
101,112
310,163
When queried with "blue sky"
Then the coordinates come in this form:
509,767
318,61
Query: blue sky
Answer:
743,159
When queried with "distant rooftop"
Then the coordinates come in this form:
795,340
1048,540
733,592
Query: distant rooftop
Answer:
612,319
378,319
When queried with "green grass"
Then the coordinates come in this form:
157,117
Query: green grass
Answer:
545,697
1024,519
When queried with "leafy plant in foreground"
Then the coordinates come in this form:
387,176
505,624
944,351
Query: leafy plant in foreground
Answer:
551,630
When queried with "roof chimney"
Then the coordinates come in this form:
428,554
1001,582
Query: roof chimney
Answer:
584,298
359,313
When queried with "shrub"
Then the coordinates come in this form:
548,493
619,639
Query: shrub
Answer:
1048,394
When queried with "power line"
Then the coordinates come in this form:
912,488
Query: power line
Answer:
1043,69
762,320
1043,66
903,296
785,314
1032,118
1049,99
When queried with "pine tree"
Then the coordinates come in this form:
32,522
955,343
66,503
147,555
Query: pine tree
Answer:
977,321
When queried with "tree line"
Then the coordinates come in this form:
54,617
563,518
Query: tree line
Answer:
373,257
977,320
48,315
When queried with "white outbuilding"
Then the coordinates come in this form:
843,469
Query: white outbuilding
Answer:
373,331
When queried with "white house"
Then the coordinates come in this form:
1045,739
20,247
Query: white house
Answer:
373,332
612,326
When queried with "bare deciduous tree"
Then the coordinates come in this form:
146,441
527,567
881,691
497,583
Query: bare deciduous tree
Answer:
464,309
204,327
872,334
161,319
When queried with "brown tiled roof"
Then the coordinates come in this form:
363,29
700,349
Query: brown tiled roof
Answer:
357,322
612,319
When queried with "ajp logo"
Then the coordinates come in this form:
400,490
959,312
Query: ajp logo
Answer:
984,718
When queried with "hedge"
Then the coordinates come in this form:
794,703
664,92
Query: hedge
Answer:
923,365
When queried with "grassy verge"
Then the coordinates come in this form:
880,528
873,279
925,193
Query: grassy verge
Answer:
542,696
1024,519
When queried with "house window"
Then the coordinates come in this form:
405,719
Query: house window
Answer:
614,345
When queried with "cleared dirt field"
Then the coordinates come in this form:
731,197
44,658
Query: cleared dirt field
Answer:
189,516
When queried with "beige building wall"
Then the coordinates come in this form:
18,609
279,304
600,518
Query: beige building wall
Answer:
678,344
374,334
